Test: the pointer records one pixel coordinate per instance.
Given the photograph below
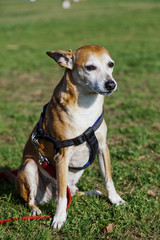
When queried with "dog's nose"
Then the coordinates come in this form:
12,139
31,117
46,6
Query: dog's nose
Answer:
110,85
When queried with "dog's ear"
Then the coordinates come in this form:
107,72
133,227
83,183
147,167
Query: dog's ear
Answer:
63,58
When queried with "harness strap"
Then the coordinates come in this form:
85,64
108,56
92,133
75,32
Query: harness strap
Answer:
93,144
88,136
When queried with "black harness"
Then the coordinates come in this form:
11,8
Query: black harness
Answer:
88,136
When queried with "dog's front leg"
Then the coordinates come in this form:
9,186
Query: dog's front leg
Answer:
104,161
61,174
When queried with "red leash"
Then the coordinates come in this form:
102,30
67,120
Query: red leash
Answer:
49,168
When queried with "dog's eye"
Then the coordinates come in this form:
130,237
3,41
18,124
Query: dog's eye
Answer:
90,67
110,64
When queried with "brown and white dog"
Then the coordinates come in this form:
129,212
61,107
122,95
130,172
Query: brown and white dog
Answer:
75,105
66,3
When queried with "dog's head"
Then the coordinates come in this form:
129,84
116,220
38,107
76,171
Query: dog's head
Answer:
91,67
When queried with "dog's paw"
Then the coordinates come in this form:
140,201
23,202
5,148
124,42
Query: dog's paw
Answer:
116,199
36,212
58,222
73,190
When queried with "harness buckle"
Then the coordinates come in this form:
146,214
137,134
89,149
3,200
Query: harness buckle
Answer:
89,133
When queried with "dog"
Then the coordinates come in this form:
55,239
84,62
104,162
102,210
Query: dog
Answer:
66,3
76,104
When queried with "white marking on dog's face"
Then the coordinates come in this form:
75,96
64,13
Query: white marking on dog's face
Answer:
96,73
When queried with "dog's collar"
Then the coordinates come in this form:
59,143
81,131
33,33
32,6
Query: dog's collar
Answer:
88,136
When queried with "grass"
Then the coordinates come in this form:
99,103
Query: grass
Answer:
130,31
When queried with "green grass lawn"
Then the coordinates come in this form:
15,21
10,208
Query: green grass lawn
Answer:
130,31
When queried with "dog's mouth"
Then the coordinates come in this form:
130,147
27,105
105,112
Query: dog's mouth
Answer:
100,91
106,93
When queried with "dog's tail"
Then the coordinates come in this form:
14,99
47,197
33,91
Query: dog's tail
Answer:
9,176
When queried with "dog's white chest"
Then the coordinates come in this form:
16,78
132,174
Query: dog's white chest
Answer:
80,156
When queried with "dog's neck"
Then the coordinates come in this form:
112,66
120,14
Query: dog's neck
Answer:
71,94
70,107
66,92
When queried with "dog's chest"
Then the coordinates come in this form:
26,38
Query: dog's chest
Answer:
80,155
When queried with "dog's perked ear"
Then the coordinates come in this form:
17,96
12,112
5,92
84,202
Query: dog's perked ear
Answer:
63,58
